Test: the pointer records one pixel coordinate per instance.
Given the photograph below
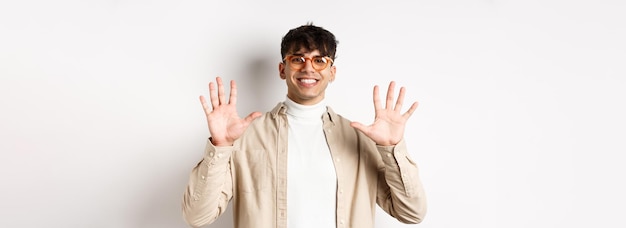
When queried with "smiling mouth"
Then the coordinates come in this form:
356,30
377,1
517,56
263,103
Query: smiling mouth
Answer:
307,81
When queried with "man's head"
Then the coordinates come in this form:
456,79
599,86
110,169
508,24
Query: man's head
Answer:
309,37
308,63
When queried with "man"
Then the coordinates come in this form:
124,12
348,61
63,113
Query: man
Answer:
301,164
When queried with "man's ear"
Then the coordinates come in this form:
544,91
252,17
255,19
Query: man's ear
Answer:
281,70
333,70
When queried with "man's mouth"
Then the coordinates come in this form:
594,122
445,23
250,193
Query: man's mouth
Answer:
307,81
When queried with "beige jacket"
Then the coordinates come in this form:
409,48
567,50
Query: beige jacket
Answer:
253,173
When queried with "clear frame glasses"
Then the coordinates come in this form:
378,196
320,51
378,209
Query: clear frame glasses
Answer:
318,63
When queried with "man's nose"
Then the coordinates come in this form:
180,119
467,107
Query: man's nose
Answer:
308,65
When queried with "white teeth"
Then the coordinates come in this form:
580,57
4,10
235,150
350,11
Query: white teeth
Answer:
307,81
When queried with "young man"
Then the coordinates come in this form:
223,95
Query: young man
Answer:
301,164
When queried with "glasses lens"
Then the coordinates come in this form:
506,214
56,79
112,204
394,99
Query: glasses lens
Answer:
319,63
296,60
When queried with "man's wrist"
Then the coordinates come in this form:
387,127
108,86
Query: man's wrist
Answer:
220,142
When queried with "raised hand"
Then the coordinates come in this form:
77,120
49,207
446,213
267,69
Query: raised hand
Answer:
225,125
389,123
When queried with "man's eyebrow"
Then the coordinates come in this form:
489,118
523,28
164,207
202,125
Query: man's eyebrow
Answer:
300,54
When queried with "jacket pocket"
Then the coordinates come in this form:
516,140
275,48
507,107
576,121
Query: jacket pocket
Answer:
252,170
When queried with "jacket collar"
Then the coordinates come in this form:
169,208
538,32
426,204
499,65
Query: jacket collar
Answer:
329,116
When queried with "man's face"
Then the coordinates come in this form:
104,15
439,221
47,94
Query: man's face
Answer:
307,85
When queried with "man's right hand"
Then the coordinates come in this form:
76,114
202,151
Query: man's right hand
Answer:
225,125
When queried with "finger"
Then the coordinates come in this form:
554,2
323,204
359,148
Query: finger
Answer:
376,99
398,107
213,95
409,112
205,106
251,117
390,92
220,91
359,126
233,93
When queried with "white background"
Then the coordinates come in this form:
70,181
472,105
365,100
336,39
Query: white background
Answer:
520,124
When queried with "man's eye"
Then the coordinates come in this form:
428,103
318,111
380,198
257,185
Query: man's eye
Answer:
320,60
297,60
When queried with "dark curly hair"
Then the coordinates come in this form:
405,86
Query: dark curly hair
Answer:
310,37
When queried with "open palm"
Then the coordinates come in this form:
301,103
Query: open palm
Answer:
389,123
225,125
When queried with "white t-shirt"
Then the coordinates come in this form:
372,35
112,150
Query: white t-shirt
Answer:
311,177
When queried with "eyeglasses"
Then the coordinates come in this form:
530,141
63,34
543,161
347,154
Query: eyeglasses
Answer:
318,63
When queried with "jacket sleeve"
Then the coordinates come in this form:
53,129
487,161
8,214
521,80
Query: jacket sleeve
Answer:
210,187
400,191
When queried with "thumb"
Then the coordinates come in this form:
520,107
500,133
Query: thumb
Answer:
358,126
252,116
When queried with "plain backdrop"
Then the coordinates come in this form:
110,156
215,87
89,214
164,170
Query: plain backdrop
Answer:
520,124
